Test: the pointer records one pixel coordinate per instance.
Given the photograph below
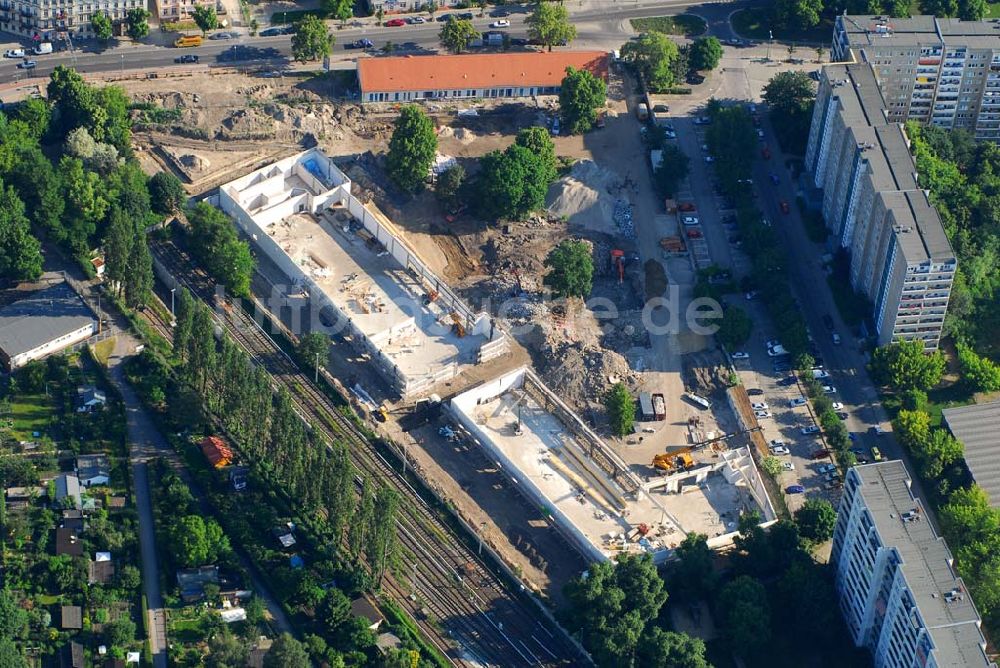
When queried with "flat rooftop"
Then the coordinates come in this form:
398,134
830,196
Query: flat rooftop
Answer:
382,300
976,426
41,317
885,488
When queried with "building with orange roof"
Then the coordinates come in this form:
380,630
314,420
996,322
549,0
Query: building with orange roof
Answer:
216,451
477,75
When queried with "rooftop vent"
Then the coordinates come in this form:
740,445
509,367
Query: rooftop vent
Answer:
911,515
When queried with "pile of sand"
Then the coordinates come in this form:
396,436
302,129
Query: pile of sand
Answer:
586,196
463,135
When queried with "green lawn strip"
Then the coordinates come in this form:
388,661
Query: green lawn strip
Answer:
30,413
684,24
755,24
992,10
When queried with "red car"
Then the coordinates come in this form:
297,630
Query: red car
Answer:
694,234
820,454
784,207
765,152
686,206
394,23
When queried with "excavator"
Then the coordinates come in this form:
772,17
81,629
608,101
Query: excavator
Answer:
682,460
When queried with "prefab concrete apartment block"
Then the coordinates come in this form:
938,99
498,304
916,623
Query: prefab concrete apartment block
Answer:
361,278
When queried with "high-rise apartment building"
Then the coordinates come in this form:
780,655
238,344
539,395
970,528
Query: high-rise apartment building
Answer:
900,257
895,578
48,20
943,72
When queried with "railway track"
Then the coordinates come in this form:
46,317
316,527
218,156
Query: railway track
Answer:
474,618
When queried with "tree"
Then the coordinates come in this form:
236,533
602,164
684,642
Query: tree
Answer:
287,652
13,618
120,633
312,347
338,9
790,97
537,140
166,192
226,650
456,34
36,114
10,656
940,8
217,247
411,149
20,251
621,410
513,183
196,542
652,54
101,24
139,286
571,269
981,374
816,519
772,466
745,615
580,96
693,576
549,25
205,18
797,14
448,184
311,40
972,10
735,328
672,169
940,451
137,23
903,366
705,53
667,649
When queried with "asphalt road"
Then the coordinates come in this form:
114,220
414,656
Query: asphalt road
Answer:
275,52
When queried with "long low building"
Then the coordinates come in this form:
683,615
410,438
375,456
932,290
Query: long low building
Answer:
45,322
479,75
978,428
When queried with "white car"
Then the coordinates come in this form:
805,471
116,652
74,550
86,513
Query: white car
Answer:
759,406
837,406
709,158
13,53
704,148
762,414
780,450
812,429
820,374
741,356
416,20
670,134
829,389
750,296
836,339
776,351
760,134
771,343
788,466
797,401
502,23
689,220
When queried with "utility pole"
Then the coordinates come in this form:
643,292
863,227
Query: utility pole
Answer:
172,290
316,377
482,528
770,40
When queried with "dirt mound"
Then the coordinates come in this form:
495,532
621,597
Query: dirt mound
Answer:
583,374
586,196
464,135
705,373
194,162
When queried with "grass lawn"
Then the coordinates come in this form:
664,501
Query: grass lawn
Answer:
102,350
756,24
992,10
685,24
30,413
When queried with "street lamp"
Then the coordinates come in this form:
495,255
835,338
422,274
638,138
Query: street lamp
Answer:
316,377
172,290
770,39
482,528
123,64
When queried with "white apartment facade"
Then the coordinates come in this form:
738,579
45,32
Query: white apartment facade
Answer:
942,72
895,580
47,20
901,260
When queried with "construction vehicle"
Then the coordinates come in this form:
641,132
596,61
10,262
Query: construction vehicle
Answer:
680,460
618,261
415,416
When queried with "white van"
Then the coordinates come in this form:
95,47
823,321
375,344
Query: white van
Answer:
43,48
642,111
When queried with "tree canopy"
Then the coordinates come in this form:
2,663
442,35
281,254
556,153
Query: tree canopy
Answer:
580,96
653,55
101,23
411,149
20,251
549,25
195,541
513,183
797,14
705,53
671,171
456,34
571,269
287,652
219,249
745,615
312,347
205,18
341,10
790,97
735,328
621,409
816,519
137,23
903,366
166,193
311,40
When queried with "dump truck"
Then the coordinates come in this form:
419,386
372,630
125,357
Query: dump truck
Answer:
659,407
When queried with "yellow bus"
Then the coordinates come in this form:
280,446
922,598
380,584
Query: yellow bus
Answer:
188,40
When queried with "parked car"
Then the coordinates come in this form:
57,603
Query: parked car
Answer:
686,206
777,351
186,58
795,489
750,296
694,234
826,468
785,209
759,406
775,442
755,392
762,414
395,23
225,35
765,152
13,53
788,466
780,450
829,389
837,406
555,127
782,367
445,17
796,402
760,134
811,429
785,382
741,356
417,20
842,415
876,454
820,374
820,454
703,120
833,484
502,23
836,338
499,13
694,78
465,16
271,32
831,476
709,159
27,65
689,220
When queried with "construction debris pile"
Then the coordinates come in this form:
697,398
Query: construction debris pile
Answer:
583,373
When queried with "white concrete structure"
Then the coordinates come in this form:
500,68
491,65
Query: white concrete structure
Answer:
895,578
362,279
601,506
44,322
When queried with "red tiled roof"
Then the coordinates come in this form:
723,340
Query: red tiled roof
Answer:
479,70
216,451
